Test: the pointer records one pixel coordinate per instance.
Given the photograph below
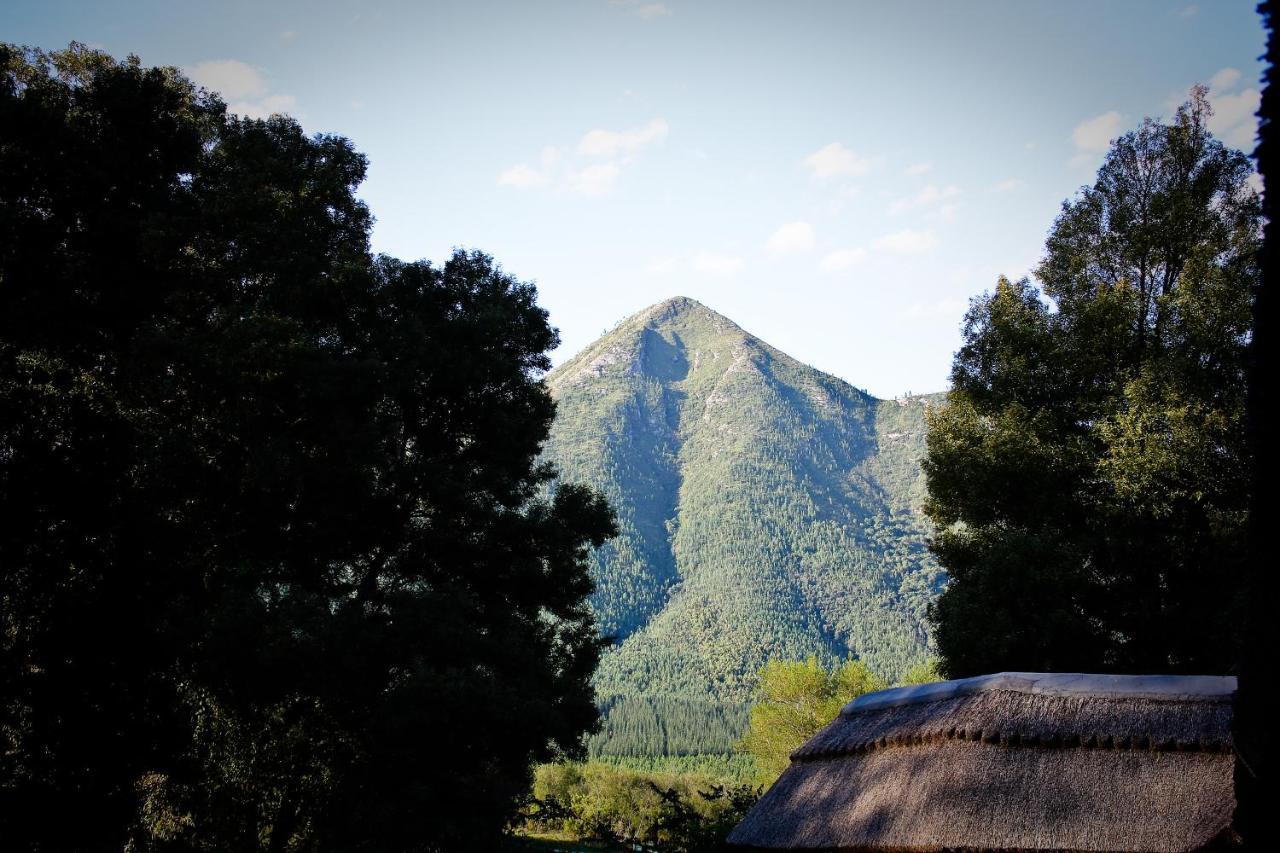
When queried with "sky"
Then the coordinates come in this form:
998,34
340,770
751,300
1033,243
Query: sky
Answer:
839,178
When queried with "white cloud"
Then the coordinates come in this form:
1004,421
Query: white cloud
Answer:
1009,185
790,238
716,264
907,242
1224,81
611,143
559,170
928,197
595,180
1233,120
235,80
918,169
836,161
842,259
523,176
243,88
288,35
266,107
1188,11
1095,134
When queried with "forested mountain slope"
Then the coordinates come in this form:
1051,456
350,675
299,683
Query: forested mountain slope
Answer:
766,508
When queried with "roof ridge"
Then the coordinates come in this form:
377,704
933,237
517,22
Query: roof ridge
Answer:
1197,688
992,737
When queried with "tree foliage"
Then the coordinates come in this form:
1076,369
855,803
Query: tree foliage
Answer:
637,810
1088,475
794,700
667,726
278,567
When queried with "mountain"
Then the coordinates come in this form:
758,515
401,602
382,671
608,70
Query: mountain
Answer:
767,509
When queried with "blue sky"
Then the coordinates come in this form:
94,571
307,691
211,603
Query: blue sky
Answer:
838,178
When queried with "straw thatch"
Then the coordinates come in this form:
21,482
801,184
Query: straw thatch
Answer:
1014,761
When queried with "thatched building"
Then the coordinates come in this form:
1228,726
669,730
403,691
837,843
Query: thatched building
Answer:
1013,761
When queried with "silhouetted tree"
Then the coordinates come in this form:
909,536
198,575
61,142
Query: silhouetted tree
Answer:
1089,475
1256,707
276,569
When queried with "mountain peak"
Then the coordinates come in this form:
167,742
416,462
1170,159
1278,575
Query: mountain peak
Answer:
766,509
672,322
676,303
681,307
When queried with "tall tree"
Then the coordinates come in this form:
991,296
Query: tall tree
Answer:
277,571
1089,476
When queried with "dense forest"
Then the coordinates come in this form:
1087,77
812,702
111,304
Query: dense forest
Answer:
668,726
766,511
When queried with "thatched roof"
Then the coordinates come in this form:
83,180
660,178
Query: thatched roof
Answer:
1013,761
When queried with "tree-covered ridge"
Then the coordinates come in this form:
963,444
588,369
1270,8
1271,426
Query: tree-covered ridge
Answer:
766,509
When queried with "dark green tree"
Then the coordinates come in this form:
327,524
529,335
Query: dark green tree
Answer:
278,567
1088,475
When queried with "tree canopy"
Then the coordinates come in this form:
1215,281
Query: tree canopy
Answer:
795,700
1088,474
279,568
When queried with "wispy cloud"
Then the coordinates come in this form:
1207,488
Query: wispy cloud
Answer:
792,238
1224,80
1188,11
1093,136
523,176
907,242
929,197
612,143
1234,118
836,161
230,77
641,9
1008,185
574,172
243,87
594,180
917,169
842,259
